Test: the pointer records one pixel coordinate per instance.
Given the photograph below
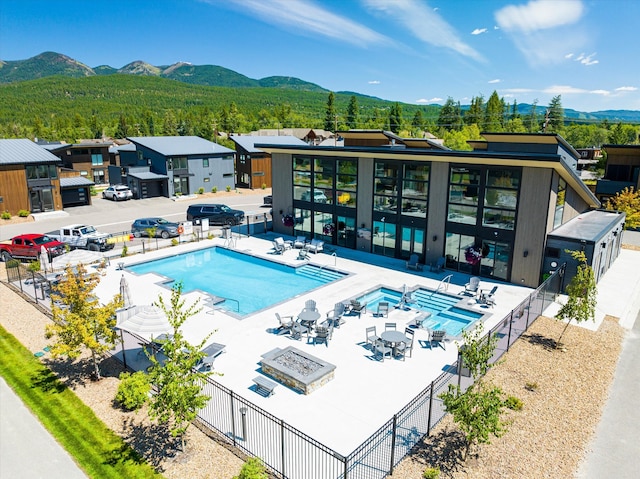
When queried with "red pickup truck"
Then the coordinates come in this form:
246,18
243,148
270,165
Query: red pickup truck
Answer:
29,246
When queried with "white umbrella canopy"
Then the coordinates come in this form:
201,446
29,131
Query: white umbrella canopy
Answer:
45,265
76,257
125,293
146,321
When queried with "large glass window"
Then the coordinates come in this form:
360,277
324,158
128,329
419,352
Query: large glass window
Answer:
384,238
415,190
560,199
463,195
385,197
40,172
178,163
501,198
96,159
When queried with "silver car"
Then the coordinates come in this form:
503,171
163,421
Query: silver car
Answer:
117,193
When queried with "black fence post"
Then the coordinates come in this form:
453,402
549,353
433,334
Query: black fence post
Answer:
282,447
429,411
393,443
233,420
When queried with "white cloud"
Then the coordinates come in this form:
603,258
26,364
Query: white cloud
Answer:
568,56
539,26
563,90
626,88
518,90
478,31
373,82
308,17
539,15
497,80
600,92
587,60
424,23
435,99
422,100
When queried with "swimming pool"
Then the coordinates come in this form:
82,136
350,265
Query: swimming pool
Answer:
241,283
444,312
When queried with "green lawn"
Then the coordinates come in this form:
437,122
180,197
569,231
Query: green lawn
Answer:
98,451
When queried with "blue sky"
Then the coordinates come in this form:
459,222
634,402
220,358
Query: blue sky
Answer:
414,51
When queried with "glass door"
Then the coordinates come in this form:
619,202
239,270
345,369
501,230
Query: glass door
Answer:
41,199
346,232
412,242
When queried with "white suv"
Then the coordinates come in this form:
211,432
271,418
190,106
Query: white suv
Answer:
117,193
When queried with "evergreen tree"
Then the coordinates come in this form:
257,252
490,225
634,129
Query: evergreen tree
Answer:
494,114
449,118
122,131
395,117
352,113
330,117
475,113
555,116
514,110
170,124
417,123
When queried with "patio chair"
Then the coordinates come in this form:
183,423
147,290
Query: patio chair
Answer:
212,352
471,288
489,298
303,254
437,336
356,307
372,336
297,330
383,309
405,347
323,334
390,326
284,245
335,315
379,347
285,326
278,248
412,262
310,305
315,246
300,242
438,266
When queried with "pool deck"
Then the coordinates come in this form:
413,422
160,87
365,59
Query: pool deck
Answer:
365,392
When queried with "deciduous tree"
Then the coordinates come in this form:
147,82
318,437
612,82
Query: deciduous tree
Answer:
582,294
178,382
79,321
628,201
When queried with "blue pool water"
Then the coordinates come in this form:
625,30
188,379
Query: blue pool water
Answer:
246,284
444,314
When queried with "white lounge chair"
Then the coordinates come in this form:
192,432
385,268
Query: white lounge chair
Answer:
315,246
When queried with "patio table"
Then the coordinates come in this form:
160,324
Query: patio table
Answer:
394,338
308,317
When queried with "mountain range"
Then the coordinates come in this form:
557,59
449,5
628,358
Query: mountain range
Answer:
50,64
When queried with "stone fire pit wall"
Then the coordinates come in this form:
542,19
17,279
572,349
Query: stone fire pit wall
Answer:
297,369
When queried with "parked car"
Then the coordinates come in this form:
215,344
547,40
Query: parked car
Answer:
267,200
217,214
29,247
163,228
117,193
318,196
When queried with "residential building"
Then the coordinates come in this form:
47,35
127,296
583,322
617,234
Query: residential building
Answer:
89,157
29,178
253,165
178,165
311,136
622,170
487,211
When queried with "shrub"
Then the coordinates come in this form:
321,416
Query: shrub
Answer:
264,186
133,390
174,242
6,215
228,188
214,189
252,469
431,473
533,387
513,403
34,266
23,213
93,191
201,190
12,263
124,252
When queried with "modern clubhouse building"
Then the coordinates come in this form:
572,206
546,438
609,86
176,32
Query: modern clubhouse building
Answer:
488,211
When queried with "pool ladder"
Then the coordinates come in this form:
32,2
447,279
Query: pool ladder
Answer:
444,285
335,260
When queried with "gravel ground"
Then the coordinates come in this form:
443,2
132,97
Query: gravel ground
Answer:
546,439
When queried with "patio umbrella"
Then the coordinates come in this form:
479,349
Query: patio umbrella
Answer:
44,259
125,293
145,321
76,257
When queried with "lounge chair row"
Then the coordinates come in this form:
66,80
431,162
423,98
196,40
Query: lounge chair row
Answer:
280,245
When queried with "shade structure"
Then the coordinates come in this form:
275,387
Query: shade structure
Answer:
45,264
76,257
125,293
146,321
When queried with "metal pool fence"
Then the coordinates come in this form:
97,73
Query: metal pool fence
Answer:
292,454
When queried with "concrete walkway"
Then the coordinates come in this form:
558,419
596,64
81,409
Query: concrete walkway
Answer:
27,450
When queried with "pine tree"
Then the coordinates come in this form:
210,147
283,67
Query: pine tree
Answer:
352,113
395,117
330,117
418,122
555,117
475,113
494,114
